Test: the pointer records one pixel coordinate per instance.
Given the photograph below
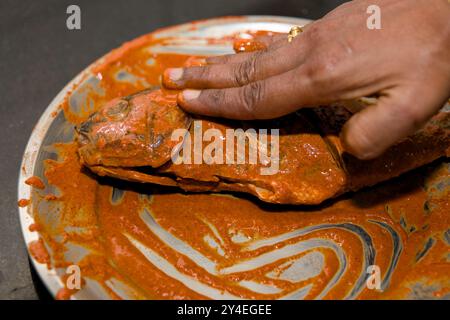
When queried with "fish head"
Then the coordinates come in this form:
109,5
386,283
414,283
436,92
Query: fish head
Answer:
132,131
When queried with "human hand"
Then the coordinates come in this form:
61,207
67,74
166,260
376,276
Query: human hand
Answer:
406,64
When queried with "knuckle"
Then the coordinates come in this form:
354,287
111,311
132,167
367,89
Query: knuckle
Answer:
252,95
327,66
317,73
314,33
200,75
246,71
215,97
324,71
203,73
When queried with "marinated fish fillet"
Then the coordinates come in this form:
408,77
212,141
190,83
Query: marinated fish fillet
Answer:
130,139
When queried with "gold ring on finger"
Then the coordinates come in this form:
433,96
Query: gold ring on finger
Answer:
295,31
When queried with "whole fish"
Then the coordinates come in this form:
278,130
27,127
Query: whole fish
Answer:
131,138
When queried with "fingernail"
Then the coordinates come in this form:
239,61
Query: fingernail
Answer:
175,74
190,94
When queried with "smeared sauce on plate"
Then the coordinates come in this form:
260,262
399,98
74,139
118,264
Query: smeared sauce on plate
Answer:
23,203
35,182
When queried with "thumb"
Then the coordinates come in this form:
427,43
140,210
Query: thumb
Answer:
395,116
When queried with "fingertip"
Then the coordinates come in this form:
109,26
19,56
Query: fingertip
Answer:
355,140
189,94
171,78
186,97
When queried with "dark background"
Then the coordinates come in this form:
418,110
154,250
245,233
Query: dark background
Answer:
39,56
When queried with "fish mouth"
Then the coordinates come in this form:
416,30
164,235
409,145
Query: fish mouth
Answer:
85,142
83,132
